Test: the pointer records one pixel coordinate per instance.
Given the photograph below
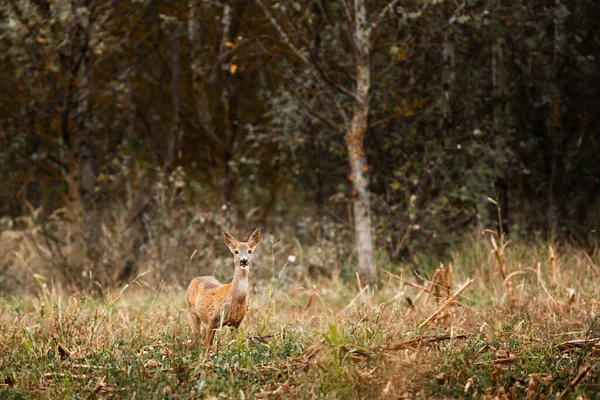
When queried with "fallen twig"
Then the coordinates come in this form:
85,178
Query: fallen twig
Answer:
417,341
85,366
578,343
61,375
575,382
261,339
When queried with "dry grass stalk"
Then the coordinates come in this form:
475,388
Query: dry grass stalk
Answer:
418,296
441,289
433,286
387,389
312,350
541,281
408,283
392,275
359,283
514,273
101,383
575,382
446,279
417,286
499,257
281,390
468,385
552,256
367,297
313,297
537,385
352,301
446,303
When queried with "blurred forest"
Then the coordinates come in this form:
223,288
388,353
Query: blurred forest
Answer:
132,131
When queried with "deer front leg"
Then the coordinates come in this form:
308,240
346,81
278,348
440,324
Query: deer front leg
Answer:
215,323
209,335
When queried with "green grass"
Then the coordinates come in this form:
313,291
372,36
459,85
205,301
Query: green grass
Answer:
135,344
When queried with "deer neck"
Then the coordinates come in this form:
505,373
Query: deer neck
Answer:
239,285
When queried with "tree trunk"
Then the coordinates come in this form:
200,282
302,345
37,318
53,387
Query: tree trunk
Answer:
499,117
229,132
448,78
174,142
86,151
555,122
356,154
130,134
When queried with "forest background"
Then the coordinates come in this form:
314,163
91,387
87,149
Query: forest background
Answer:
132,132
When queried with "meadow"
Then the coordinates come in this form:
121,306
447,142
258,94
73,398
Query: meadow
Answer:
458,331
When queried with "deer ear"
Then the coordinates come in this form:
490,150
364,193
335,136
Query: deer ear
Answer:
254,239
229,240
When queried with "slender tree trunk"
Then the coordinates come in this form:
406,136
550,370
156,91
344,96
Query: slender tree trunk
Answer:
554,120
176,131
86,151
80,151
448,78
229,132
356,153
499,117
130,132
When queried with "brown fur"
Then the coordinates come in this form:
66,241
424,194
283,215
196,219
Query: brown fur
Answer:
215,304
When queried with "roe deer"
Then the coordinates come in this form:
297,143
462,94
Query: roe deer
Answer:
216,304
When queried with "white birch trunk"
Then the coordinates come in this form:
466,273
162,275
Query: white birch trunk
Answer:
355,144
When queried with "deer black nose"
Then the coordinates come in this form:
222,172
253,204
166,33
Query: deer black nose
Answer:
243,261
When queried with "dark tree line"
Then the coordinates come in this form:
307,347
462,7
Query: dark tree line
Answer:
399,118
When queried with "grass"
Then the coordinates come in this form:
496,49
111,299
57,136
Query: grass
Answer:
522,340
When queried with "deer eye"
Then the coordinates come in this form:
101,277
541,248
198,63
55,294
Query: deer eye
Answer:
237,252
249,251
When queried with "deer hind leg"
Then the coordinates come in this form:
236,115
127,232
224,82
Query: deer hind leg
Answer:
194,321
209,335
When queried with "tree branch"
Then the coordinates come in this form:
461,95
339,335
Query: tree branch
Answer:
304,58
283,34
375,23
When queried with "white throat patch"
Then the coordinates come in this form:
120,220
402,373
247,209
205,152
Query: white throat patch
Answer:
243,285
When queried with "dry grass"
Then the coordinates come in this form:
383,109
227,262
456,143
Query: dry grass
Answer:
533,338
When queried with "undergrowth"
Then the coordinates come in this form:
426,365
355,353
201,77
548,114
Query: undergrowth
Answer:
529,336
